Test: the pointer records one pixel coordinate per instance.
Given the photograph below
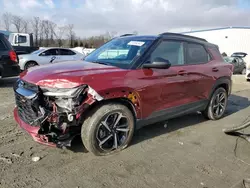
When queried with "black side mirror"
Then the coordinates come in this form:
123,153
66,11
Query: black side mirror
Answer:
158,63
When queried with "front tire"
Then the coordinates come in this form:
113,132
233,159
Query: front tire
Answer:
108,129
217,105
30,64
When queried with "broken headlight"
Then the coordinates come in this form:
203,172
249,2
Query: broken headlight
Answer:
63,92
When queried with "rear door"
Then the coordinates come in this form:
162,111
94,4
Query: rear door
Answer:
67,55
199,69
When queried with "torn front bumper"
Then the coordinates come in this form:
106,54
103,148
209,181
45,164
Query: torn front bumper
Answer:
33,131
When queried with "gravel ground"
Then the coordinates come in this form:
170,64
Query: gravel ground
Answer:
189,152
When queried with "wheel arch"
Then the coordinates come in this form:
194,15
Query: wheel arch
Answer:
29,61
224,82
123,101
125,96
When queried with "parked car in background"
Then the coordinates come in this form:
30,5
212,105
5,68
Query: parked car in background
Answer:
156,78
48,56
239,54
8,59
239,64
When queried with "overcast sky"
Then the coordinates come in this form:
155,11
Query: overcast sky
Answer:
91,17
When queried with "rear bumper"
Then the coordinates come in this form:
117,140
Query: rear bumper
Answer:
32,131
10,70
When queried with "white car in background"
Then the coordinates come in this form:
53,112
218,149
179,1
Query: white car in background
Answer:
48,55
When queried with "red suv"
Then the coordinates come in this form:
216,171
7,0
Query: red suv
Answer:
129,82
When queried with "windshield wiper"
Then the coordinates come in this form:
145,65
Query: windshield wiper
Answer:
98,62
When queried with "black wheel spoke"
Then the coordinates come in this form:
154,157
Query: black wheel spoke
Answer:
105,140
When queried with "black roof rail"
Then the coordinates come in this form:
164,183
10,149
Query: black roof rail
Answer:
126,35
181,35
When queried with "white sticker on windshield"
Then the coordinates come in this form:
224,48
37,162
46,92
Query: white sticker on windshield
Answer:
136,43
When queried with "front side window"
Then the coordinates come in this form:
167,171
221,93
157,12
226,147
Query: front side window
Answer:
173,51
120,52
196,54
50,52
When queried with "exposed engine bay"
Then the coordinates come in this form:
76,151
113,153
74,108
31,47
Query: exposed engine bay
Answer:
57,111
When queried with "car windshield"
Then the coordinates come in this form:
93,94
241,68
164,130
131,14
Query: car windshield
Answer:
37,51
120,52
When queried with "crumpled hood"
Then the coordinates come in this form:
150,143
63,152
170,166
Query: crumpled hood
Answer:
67,74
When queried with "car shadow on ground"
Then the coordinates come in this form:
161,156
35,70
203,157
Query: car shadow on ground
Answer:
235,104
7,82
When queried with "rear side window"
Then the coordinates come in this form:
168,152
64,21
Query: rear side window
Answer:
2,46
66,52
196,54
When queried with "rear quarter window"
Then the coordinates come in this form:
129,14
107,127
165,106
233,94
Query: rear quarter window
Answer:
66,52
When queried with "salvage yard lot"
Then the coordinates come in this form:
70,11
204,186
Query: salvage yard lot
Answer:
186,152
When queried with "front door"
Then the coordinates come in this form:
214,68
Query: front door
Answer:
174,79
163,88
49,56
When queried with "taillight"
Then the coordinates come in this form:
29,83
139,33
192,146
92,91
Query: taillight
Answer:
13,55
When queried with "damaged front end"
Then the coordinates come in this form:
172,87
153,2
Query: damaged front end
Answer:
56,113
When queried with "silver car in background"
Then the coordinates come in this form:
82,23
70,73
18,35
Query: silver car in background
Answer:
48,55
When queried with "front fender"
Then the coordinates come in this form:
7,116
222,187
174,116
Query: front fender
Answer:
123,93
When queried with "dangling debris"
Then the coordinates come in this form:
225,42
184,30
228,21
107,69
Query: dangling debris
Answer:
234,131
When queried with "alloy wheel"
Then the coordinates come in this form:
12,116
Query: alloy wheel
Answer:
219,104
112,131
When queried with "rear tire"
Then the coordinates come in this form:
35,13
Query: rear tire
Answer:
217,105
108,129
30,64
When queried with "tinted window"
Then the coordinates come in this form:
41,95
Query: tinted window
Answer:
169,50
20,39
50,52
2,46
196,54
66,52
